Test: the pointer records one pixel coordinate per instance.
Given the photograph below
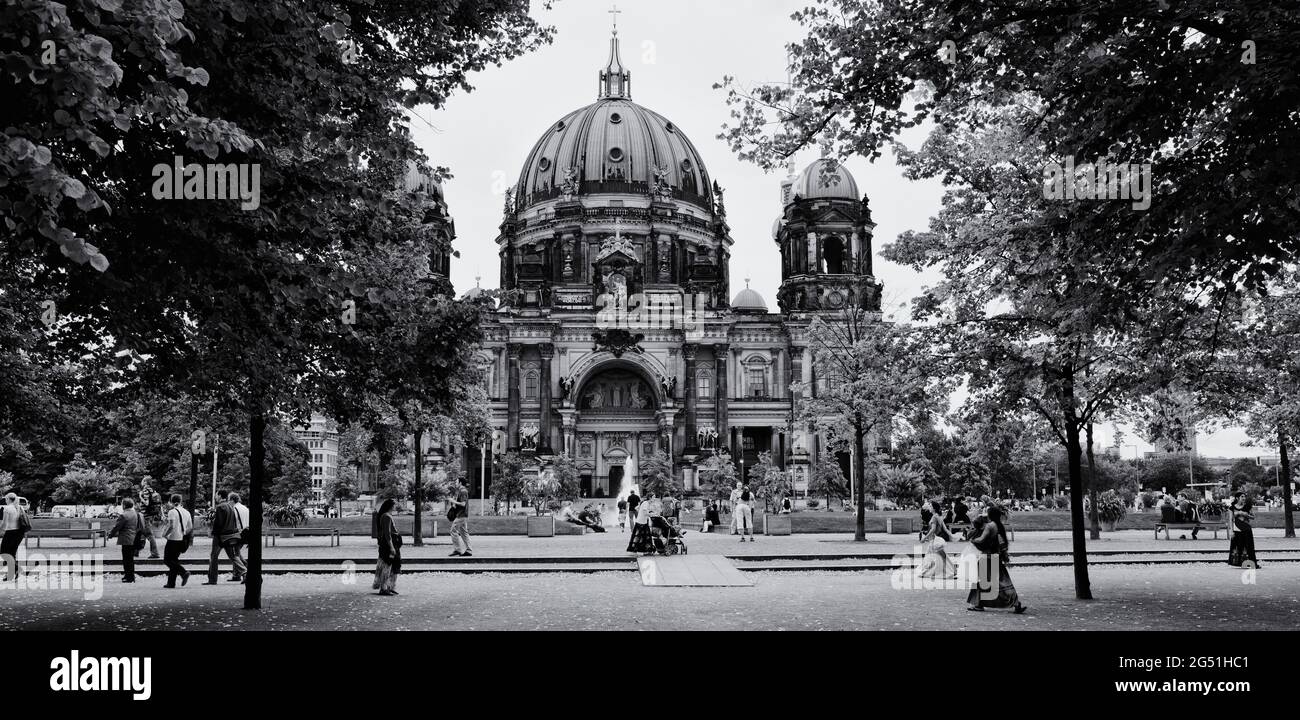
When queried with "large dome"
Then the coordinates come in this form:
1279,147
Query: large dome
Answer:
610,142
613,146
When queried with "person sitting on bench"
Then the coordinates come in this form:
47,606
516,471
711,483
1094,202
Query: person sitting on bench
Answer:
591,519
1188,513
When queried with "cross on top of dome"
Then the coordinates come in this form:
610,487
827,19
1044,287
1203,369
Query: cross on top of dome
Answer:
615,80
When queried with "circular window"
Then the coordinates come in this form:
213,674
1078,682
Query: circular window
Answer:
616,154
615,118
686,165
670,127
560,126
544,164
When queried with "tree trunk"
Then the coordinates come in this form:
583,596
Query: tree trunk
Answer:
1287,507
256,457
1094,528
1074,453
417,535
859,491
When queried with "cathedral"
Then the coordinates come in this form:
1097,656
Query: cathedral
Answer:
618,334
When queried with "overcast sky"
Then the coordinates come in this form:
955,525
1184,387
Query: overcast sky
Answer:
676,50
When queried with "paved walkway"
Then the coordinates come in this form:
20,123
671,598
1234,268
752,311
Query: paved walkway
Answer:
613,544
1195,597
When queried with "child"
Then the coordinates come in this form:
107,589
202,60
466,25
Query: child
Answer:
622,515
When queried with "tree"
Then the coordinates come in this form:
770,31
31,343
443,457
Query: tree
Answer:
901,485
717,475
1243,471
828,481
508,482
1135,82
768,481
874,377
343,488
247,303
82,483
656,475
1172,472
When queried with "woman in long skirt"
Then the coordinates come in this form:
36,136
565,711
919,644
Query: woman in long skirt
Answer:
936,563
390,550
640,542
993,545
1241,551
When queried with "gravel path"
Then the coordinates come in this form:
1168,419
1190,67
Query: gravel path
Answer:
1140,597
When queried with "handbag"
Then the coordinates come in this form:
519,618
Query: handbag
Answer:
24,522
453,513
187,538
140,530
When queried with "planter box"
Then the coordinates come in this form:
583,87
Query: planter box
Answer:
777,524
541,526
1107,525
899,525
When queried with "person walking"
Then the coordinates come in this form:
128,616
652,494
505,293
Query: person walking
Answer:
459,516
15,524
633,502
622,515
744,512
994,548
130,532
640,540
178,532
227,529
390,550
1241,549
733,500
936,563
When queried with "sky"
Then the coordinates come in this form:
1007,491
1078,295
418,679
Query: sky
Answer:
676,50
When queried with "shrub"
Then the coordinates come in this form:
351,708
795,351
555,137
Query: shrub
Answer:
286,515
688,505
1148,499
814,503
1110,507
1061,502
1128,496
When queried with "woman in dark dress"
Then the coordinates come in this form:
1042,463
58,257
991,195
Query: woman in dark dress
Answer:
993,546
1242,548
390,550
711,517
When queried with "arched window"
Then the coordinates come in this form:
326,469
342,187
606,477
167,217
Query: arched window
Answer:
755,378
704,384
833,256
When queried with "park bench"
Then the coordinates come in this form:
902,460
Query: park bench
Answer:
90,533
1212,526
564,527
269,535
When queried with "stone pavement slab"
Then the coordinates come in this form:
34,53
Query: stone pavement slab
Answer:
691,571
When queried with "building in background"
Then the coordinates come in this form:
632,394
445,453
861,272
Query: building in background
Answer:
321,437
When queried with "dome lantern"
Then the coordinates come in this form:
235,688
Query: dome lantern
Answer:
615,79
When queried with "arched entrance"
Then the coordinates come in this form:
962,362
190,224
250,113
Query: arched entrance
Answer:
616,424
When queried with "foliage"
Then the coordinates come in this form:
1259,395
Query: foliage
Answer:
901,485
656,476
1169,472
814,503
828,481
767,480
1243,471
286,515
82,484
717,476
872,377
508,482
1110,508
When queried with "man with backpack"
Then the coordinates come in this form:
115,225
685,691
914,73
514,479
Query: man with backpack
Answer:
179,533
744,511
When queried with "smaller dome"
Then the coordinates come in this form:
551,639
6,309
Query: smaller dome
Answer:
826,178
749,300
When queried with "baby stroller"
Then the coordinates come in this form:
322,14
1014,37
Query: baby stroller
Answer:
666,536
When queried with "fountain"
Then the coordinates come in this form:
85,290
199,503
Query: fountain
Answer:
610,516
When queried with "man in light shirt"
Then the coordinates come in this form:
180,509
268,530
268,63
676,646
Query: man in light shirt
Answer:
179,523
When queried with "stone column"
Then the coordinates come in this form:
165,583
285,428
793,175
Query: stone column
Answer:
720,397
544,427
807,372
692,444
596,450
774,446
512,392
